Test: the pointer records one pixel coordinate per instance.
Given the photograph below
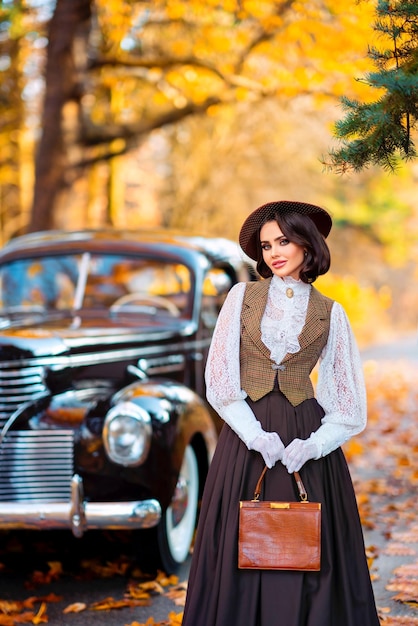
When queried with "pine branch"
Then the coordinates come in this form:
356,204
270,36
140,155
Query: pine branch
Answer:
381,133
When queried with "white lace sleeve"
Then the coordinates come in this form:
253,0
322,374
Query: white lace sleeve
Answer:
340,389
222,375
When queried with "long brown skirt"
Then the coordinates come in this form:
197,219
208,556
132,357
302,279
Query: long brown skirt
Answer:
220,594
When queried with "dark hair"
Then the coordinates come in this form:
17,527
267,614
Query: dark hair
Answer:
299,229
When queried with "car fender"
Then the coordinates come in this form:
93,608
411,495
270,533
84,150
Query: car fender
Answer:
179,418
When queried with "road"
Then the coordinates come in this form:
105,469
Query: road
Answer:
88,576
387,470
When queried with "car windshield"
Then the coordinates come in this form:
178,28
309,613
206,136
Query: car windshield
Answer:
95,281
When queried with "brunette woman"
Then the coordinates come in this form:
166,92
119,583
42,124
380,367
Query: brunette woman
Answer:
269,336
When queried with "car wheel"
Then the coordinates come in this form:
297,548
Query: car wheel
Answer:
176,529
167,545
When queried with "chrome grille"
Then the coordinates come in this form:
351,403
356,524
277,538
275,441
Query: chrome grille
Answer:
36,466
18,386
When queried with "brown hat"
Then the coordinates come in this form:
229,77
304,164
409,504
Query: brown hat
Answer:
248,237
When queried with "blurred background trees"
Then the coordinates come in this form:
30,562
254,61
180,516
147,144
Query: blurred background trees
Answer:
189,114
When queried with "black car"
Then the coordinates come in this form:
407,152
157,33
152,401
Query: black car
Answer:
103,342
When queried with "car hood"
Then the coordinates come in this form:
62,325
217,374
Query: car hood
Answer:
62,332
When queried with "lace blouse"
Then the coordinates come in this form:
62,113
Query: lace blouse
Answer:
340,388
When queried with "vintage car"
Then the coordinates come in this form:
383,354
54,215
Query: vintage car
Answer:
103,419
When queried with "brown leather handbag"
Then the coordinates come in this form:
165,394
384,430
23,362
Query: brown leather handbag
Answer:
280,535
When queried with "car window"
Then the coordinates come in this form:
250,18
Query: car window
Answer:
95,281
39,283
216,285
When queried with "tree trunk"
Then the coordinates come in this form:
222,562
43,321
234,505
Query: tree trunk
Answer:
70,16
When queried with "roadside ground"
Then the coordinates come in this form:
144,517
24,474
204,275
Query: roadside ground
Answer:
383,464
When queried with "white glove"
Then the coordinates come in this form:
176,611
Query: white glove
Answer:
270,446
298,452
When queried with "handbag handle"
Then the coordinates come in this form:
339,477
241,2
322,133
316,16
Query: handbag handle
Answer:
301,487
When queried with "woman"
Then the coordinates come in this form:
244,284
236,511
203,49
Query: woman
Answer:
269,336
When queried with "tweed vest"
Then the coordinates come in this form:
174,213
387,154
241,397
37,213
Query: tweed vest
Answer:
258,370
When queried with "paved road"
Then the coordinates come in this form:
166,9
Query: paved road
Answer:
26,553
395,507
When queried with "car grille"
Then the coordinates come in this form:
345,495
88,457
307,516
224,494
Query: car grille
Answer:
18,386
36,466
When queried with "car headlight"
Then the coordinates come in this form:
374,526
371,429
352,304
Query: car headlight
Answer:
127,434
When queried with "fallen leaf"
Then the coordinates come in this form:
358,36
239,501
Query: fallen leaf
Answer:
76,607
176,619
165,580
41,616
398,549
178,594
109,603
151,586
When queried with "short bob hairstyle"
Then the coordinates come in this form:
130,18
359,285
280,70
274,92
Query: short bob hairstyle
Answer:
301,230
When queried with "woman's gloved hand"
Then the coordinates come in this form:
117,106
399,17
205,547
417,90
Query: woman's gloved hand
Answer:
270,446
297,453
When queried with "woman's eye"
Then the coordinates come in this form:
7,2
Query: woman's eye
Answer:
265,246
284,242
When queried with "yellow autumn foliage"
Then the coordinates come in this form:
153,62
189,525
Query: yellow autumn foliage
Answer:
285,48
365,306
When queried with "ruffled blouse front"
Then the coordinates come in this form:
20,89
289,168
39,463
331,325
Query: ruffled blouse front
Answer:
284,316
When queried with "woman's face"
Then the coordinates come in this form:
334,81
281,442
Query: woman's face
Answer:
282,256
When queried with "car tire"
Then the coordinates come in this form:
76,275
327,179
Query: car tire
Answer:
176,530
167,545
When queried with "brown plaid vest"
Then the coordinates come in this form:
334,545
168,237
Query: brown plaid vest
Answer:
258,370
